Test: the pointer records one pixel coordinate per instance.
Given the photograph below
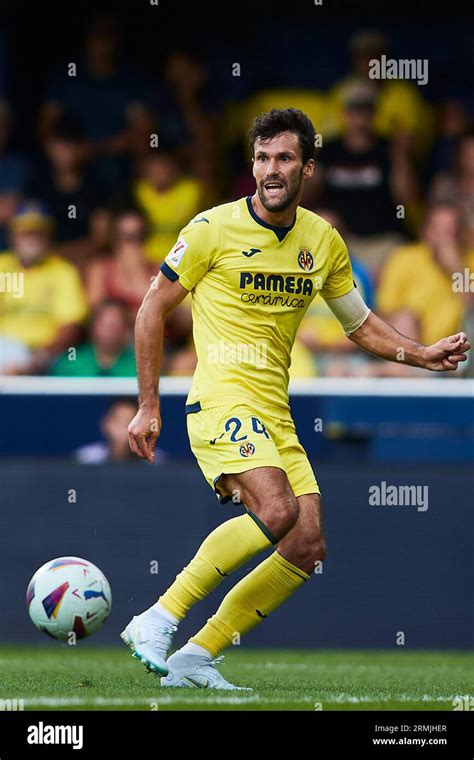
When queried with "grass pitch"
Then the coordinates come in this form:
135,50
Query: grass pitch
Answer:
63,677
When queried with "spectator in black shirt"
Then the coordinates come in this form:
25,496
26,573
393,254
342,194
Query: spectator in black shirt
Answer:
364,183
70,189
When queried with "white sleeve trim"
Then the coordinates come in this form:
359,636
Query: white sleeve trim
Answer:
350,310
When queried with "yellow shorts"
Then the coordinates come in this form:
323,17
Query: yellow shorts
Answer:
233,439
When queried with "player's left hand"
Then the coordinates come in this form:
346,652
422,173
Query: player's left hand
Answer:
447,353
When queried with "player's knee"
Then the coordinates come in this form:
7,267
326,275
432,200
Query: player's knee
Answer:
283,514
318,549
278,512
307,552
287,514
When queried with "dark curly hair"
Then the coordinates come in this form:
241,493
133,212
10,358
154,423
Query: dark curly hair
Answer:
278,120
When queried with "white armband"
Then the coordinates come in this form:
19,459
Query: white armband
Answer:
350,310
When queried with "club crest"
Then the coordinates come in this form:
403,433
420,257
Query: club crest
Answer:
247,449
305,259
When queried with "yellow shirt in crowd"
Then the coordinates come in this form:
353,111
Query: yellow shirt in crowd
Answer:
413,280
399,107
36,301
314,103
167,212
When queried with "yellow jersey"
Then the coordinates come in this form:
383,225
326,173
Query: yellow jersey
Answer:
251,283
36,301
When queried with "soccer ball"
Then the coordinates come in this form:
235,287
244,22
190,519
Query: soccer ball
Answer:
68,595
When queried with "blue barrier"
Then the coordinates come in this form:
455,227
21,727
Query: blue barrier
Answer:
388,568
336,420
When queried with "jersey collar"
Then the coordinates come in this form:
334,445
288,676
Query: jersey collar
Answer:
280,232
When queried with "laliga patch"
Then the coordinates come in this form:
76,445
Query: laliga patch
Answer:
177,252
247,449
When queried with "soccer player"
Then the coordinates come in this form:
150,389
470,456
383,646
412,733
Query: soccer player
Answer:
252,266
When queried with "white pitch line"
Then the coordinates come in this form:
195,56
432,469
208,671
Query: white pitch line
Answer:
169,699
341,666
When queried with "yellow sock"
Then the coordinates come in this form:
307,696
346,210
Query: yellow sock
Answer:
251,600
228,547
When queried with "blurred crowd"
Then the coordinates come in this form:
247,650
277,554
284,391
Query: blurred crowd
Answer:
123,164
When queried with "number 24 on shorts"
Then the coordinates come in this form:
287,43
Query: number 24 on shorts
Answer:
233,426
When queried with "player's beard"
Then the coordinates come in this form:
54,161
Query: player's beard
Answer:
275,205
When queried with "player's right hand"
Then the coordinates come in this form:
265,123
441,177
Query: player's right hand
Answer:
446,353
144,431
